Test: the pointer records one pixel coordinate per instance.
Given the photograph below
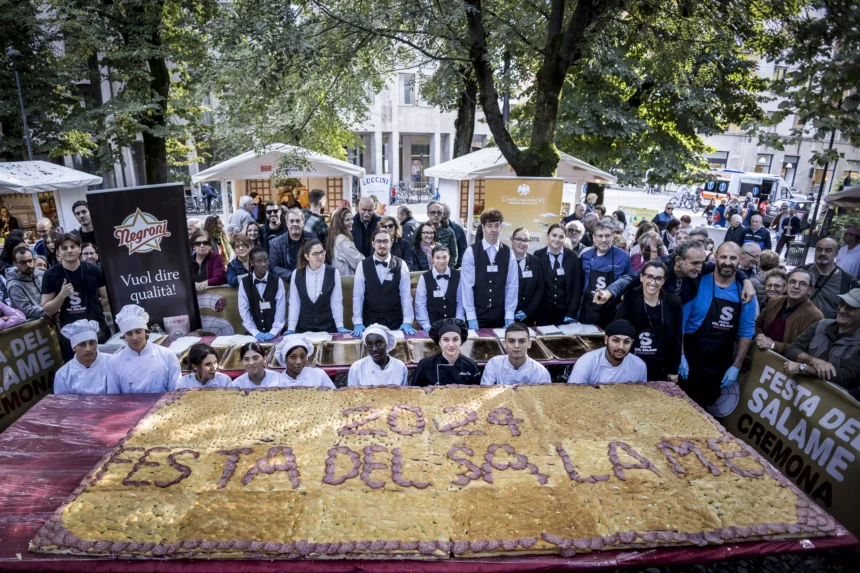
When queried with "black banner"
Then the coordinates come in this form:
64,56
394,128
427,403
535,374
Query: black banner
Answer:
145,253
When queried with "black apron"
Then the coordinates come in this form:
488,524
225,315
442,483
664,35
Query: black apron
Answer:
710,350
599,314
649,344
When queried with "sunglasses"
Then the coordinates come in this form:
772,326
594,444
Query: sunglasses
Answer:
201,243
275,212
386,226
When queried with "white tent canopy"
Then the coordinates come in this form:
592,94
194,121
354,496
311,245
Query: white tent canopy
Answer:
848,197
39,176
490,162
253,165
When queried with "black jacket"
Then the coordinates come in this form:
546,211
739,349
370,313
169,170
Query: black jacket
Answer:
736,235
268,235
362,238
530,292
462,245
435,370
632,309
402,250
572,286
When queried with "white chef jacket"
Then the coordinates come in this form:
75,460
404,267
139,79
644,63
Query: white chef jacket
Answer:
314,283
594,368
499,370
74,378
154,370
366,372
405,290
280,305
308,377
421,313
190,380
271,380
467,281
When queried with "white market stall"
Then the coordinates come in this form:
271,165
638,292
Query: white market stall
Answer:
461,180
252,172
35,189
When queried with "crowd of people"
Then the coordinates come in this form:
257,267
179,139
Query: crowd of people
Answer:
672,307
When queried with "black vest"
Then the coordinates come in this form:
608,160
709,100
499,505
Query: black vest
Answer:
315,316
489,289
444,307
382,304
263,319
530,289
558,289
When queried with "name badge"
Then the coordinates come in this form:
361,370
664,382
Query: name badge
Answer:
492,268
559,271
527,274
387,277
438,294
265,305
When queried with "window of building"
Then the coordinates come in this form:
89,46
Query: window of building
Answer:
386,155
851,169
262,187
207,115
779,72
817,174
734,128
789,168
797,123
762,163
355,155
419,160
718,160
407,89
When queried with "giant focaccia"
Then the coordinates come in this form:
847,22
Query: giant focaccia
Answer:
426,473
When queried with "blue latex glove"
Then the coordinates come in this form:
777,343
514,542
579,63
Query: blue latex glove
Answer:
684,368
289,332
358,330
343,330
407,328
264,336
508,322
730,377
569,320
520,315
473,324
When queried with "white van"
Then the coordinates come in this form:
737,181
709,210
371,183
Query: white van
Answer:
730,183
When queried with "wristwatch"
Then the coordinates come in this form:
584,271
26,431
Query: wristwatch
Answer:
802,368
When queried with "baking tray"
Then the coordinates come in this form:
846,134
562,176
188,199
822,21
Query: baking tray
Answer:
420,348
400,352
593,341
232,360
566,347
481,349
220,351
339,352
537,352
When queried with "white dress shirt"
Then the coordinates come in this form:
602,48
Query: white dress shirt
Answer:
366,372
421,313
154,370
849,260
551,258
272,379
594,368
314,284
467,281
280,304
359,286
190,381
75,378
311,377
499,370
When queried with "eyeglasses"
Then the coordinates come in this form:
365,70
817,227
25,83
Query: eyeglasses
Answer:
653,279
317,254
796,283
382,242
201,243
89,254
520,240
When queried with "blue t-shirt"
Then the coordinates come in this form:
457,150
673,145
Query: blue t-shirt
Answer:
696,310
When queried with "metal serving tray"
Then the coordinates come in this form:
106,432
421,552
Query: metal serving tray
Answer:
420,348
339,352
481,349
567,347
232,360
537,351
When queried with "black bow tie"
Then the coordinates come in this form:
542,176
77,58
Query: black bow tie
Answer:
381,263
259,282
441,277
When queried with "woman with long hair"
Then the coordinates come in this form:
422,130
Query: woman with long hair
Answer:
252,231
52,239
399,247
425,240
13,239
341,251
204,369
316,297
215,227
207,266
621,216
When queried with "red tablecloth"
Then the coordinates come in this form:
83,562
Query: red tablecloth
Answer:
45,454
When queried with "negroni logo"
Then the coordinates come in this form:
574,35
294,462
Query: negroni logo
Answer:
141,233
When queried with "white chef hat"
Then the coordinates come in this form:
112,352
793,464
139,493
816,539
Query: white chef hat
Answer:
81,331
288,343
131,317
382,331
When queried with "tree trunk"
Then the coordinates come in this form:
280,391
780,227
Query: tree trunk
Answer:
154,146
465,120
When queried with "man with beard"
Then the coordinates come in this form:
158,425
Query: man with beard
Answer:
713,321
614,362
284,251
274,227
828,280
686,267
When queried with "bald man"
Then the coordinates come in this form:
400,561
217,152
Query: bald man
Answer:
364,224
828,280
713,321
43,227
736,231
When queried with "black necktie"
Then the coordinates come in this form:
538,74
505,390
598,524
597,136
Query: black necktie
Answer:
555,264
381,263
259,282
439,277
